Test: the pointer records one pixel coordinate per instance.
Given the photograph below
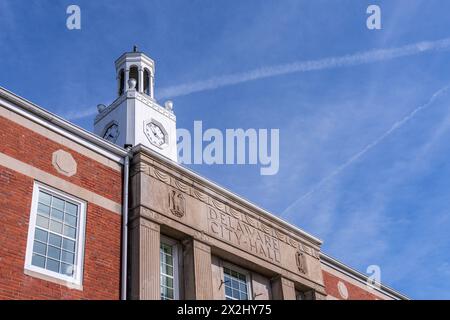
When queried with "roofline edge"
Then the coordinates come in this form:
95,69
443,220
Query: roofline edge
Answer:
357,275
47,118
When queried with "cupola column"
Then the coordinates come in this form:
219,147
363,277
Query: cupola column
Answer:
127,77
141,80
152,85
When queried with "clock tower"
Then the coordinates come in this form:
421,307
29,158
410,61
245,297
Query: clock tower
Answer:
135,117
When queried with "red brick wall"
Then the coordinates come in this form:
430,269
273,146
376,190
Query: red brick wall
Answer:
101,276
34,149
354,292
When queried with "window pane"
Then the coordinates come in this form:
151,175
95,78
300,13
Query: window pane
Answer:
167,282
167,276
41,235
55,240
40,248
58,203
168,260
68,257
69,231
57,214
166,293
42,221
52,265
168,270
70,220
166,249
44,198
71,208
38,261
66,269
56,226
54,253
228,291
69,245
170,293
43,209
52,250
235,284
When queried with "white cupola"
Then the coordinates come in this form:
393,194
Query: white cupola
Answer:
135,117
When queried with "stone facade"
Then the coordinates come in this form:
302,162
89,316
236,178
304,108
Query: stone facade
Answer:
216,228
212,225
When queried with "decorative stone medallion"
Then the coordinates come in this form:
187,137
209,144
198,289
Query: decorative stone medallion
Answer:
64,163
343,291
177,203
300,259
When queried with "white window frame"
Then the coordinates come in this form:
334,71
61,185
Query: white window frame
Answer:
176,273
76,280
245,272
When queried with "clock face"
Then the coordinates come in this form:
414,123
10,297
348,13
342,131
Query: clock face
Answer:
155,134
111,133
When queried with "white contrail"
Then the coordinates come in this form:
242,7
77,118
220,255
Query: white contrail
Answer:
370,146
299,66
304,66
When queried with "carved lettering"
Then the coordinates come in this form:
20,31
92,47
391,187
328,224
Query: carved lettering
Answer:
236,230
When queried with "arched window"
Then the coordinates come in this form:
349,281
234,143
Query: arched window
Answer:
121,81
134,74
146,81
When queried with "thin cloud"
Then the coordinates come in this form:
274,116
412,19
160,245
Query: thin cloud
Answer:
397,125
76,115
305,66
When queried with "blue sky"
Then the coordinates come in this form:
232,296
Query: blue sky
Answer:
388,207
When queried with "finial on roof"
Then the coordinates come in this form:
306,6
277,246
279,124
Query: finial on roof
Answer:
134,48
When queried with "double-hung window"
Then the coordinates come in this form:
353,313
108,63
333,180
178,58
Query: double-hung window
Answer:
56,236
236,282
168,256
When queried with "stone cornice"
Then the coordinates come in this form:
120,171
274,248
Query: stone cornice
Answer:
147,100
134,56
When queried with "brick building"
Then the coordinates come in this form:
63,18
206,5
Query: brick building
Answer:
113,215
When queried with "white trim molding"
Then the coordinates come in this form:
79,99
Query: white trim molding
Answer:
75,281
244,272
176,262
